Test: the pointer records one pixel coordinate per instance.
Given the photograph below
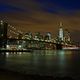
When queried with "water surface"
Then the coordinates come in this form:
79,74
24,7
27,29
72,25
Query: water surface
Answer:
43,62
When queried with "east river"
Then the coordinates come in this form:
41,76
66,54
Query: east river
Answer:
43,62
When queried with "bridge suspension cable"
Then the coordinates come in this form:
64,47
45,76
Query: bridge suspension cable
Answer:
13,30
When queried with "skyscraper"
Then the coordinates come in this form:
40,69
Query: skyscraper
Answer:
48,34
61,33
67,37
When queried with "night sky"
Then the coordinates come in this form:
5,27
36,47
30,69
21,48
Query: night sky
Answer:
42,15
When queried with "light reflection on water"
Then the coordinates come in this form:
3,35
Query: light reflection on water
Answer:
43,62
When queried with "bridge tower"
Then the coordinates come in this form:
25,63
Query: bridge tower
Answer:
3,34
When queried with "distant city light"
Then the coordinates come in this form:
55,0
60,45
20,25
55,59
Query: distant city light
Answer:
23,40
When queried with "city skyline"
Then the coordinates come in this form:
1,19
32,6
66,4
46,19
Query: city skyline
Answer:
43,16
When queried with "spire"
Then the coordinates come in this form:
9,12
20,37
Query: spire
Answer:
61,24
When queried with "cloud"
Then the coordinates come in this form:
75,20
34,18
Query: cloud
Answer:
48,6
9,8
41,15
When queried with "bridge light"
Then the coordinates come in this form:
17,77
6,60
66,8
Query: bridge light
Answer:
19,46
7,54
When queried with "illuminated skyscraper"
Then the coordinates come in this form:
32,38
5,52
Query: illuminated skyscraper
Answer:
48,36
67,37
38,36
61,33
28,35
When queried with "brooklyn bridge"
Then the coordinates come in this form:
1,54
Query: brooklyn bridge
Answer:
14,39
23,40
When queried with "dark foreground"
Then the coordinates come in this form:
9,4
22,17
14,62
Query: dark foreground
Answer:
10,75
